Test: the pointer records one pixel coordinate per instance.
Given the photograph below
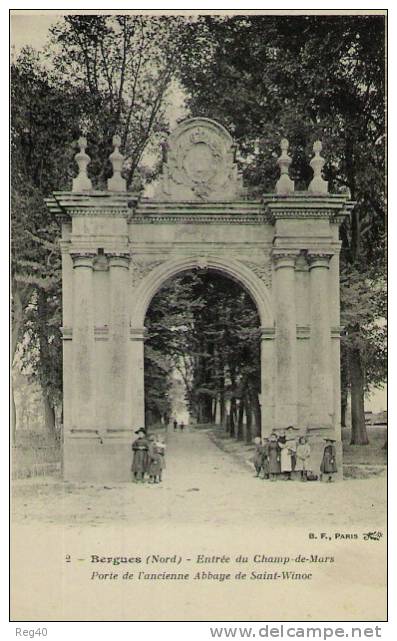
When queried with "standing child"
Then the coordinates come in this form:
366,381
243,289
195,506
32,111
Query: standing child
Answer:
265,459
328,464
140,459
161,450
302,457
154,469
285,456
258,455
273,457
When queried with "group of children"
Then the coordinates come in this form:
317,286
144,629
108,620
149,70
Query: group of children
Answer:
148,457
285,455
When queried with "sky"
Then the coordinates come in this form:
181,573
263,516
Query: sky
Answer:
30,29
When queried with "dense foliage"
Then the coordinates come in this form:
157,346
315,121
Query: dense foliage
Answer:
206,327
309,77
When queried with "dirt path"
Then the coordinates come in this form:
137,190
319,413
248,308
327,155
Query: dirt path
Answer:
209,504
202,484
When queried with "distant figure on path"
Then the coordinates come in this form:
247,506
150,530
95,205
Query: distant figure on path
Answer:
175,423
182,425
140,459
328,464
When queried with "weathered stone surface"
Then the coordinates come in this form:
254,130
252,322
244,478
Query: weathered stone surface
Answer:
200,164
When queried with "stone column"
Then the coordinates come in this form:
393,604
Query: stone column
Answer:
137,382
83,403
118,338
286,354
320,342
267,379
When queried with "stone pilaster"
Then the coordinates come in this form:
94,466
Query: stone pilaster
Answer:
118,337
335,340
267,379
320,342
137,391
83,397
286,352
67,321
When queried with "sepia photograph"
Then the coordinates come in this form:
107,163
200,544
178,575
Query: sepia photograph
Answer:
198,315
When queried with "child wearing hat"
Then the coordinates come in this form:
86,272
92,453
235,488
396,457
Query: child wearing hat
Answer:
154,467
273,451
328,463
140,459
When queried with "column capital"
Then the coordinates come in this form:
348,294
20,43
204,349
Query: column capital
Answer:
82,258
118,258
284,258
319,258
65,246
267,333
137,333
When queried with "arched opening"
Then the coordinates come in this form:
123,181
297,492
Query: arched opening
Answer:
202,353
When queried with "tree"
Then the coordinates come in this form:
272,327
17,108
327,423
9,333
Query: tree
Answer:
206,326
307,77
122,67
43,118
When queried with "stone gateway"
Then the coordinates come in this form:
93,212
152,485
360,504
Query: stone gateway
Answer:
118,250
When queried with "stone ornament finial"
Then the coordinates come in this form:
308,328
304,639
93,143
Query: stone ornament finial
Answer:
116,182
284,184
318,185
82,182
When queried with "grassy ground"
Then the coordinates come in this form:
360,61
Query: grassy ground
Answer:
359,461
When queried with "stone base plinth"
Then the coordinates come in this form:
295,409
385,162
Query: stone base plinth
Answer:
90,460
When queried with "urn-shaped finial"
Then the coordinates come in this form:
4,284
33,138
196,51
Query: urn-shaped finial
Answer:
284,184
318,185
82,182
116,182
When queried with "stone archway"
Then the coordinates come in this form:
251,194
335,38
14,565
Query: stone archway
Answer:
246,278
117,250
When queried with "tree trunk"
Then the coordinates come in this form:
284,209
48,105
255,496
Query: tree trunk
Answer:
248,414
359,434
240,426
228,424
49,416
232,416
257,414
343,407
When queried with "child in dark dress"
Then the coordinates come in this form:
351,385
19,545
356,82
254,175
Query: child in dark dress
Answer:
274,457
140,460
258,455
328,464
265,458
155,461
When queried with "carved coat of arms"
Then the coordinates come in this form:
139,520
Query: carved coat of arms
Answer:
200,164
